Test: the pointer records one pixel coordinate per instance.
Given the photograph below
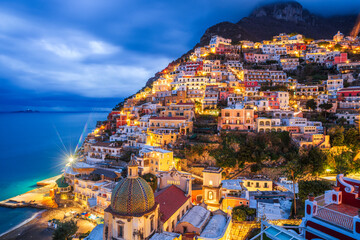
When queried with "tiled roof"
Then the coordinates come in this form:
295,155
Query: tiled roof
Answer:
170,200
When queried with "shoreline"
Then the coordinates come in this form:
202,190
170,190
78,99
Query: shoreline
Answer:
11,203
35,198
26,221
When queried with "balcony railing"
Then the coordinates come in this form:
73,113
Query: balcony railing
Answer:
334,217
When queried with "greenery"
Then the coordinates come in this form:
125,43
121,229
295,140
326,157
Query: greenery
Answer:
311,104
151,179
316,187
312,73
84,235
243,213
237,148
65,230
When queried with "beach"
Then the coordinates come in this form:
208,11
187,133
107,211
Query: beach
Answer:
46,141
38,228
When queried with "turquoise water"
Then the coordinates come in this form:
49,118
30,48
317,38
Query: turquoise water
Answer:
34,146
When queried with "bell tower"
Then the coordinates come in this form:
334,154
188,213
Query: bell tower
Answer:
211,187
133,168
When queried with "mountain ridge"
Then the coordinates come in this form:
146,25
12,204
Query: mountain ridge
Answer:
271,19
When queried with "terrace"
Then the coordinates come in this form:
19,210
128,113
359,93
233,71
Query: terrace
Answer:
339,215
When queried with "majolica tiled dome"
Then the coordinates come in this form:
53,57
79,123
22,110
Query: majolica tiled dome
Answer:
132,196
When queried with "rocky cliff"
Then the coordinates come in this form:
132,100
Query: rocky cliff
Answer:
272,19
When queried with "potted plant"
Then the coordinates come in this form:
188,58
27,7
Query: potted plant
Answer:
311,197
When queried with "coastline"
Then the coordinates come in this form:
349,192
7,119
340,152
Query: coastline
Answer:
14,202
26,221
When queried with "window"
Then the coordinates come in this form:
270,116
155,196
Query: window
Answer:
248,184
120,231
152,224
210,182
210,195
257,185
265,185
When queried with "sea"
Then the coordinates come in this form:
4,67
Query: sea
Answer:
33,147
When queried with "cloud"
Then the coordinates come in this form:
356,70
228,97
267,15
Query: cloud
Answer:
72,61
106,49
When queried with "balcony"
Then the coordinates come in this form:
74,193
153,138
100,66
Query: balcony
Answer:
339,215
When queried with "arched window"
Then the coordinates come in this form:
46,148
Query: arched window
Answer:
210,195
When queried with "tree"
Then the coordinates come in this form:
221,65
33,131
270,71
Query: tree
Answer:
65,230
313,161
325,106
352,139
294,171
317,187
311,104
337,47
243,213
336,136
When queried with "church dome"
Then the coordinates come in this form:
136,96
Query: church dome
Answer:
132,196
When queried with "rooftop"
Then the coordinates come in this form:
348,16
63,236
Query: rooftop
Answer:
165,236
213,169
196,216
170,200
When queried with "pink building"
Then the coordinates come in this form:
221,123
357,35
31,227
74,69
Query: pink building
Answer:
341,59
237,117
256,57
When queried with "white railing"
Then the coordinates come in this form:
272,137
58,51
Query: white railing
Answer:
336,218
320,200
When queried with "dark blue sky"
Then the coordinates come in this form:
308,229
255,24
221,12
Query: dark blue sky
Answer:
88,54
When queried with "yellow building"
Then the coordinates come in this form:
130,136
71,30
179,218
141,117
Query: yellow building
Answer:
212,187
179,110
152,159
258,184
161,137
306,141
181,124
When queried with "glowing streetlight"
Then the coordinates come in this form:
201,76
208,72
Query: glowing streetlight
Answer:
71,159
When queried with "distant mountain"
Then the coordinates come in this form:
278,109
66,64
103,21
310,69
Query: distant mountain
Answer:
272,19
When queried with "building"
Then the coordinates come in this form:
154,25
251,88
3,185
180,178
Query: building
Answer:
133,213
211,187
152,159
349,98
236,117
338,216
256,57
216,40
338,37
101,150
174,203
265,77
289,63
307,91
181,124
203,224
307,141
333,84
192,82
257,184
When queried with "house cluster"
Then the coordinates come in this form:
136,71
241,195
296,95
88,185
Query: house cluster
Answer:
247,87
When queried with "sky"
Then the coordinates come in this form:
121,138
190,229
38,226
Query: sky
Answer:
86,55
